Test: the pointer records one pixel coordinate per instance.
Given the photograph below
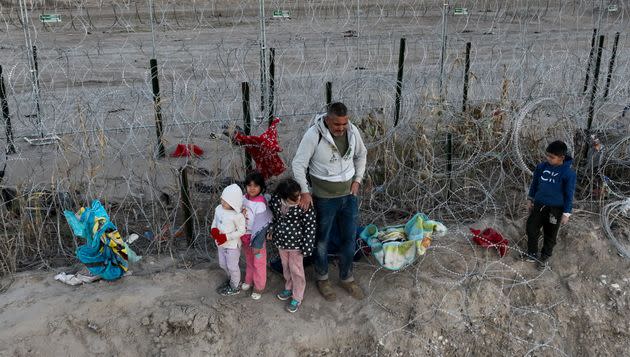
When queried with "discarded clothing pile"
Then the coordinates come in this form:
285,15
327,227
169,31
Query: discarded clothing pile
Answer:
489,238
105,254
396,247
263,149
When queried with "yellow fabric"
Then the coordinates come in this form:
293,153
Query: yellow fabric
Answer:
111,239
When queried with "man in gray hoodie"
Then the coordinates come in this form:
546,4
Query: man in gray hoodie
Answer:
332,158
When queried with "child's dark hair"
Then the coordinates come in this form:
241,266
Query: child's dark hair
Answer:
257,178
558,148
288,189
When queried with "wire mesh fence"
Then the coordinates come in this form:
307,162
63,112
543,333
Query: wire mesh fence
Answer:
82,114
80,117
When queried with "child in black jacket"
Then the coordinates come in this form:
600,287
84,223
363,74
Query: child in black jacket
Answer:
294,235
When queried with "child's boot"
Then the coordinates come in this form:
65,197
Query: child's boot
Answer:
229,291
222,287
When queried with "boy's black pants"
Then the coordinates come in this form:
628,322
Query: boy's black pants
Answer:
547,218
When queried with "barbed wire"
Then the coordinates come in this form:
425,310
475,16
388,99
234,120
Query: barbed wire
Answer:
93,88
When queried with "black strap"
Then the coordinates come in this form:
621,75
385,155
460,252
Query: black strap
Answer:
308,170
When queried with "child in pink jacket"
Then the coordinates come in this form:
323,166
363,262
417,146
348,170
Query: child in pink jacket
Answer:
258,218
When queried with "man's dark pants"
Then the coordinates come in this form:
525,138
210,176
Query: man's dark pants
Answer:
343,212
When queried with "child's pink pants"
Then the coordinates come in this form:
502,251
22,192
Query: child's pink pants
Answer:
256,264
293,271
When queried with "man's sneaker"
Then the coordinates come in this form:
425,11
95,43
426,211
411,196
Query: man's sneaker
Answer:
256,296
293,306
245,287
222,287
229,290
530,258
543,263
285,295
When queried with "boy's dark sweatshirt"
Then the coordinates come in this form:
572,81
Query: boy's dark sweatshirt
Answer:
554,186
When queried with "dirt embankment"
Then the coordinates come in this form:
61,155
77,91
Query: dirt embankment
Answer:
457,300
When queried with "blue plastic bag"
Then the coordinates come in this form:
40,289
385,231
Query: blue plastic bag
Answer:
104,252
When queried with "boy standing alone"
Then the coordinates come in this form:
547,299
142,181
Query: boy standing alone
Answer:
550,202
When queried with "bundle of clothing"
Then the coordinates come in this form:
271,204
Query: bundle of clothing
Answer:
490,238
264,149
396,247
104,253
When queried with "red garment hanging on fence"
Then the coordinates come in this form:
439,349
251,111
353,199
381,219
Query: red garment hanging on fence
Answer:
264,150
183,150
489,238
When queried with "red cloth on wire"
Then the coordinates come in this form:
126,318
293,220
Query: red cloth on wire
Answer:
489,238
264,150
183,150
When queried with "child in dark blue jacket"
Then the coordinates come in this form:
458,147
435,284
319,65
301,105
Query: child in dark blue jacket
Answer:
550,201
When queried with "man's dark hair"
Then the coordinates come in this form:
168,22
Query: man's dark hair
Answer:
558,148
288,189
257,178
337,109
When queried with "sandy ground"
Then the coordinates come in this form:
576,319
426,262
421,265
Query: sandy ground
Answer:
458,300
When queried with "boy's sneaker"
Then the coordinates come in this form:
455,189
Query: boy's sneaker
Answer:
256,296
285,295
293,306
222,287
543,263
229,291
245,287
530,258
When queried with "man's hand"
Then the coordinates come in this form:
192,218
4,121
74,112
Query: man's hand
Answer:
530,205
354,188
306,201
565,219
